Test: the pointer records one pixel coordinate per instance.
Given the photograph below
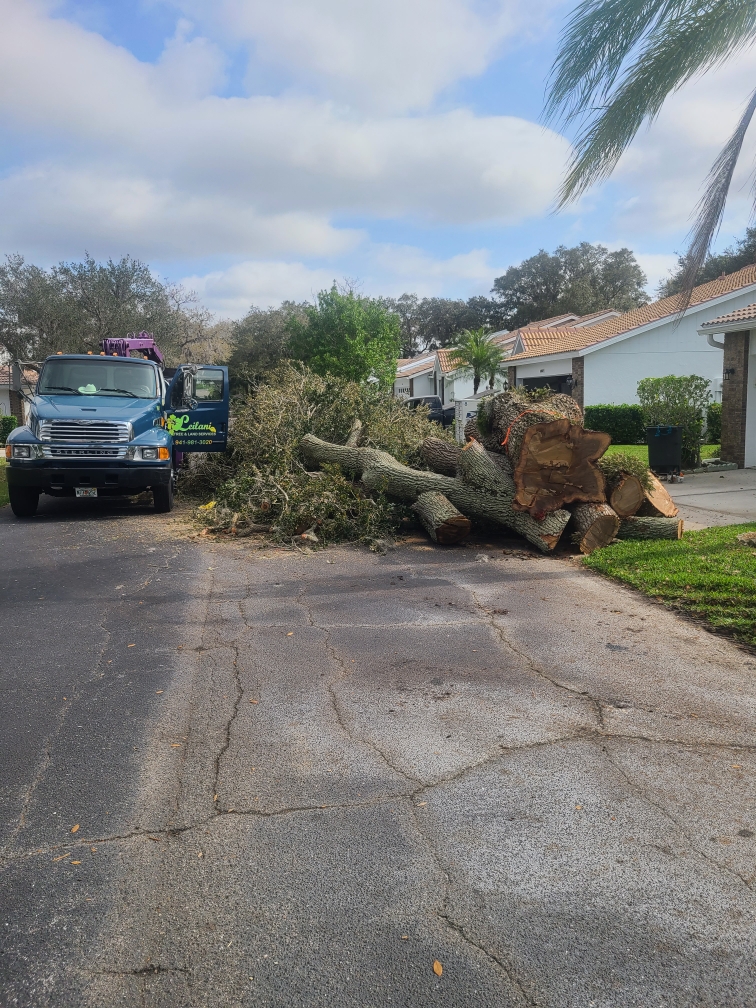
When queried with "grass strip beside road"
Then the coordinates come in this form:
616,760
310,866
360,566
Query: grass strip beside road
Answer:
708,574
3,485
641,451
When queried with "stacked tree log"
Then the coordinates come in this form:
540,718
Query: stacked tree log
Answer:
529,466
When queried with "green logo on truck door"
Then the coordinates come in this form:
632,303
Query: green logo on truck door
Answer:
181,425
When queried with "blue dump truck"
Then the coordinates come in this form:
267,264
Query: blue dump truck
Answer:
114,424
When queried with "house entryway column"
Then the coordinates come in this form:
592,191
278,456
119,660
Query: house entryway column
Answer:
578,380
735,397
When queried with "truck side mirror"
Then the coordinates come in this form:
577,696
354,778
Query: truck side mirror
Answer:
188,399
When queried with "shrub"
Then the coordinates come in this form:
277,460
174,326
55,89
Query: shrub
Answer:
679,401
714,423
612,466
624,423
7,424
261,477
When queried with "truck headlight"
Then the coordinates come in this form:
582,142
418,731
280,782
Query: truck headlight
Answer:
149,453
23,451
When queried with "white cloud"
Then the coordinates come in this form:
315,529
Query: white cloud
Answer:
657,266
230,293
666,166
144,154
384,55
388,270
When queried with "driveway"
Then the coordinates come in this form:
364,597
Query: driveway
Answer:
313,776
726,498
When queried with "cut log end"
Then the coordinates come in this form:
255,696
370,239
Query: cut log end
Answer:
658,503
595,525
442,521
627,496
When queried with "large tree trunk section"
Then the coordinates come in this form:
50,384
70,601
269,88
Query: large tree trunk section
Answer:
440,455
381,471
650,528
658,503
593,525
627,495
557,466
443,523
508,417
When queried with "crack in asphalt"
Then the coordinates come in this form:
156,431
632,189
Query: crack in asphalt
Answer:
641,792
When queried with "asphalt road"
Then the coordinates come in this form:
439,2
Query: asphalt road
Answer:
313,776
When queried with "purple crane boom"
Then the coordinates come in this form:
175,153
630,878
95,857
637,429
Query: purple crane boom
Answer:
134,341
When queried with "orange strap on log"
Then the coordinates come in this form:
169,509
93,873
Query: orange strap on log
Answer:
509,429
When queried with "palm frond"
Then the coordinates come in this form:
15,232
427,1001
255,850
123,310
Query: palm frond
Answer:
710,209
684,40
597,40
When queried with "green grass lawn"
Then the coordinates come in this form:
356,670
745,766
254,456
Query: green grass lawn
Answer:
3,485
641,450
707,573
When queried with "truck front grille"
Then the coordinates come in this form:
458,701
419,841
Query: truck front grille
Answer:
53,452
85,431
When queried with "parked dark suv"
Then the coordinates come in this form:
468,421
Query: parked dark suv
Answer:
443,415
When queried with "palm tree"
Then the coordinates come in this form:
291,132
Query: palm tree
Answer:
618,62
476,354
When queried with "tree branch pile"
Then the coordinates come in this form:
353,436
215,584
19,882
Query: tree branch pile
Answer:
527,466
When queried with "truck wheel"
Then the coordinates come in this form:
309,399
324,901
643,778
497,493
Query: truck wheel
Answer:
163,497
23,501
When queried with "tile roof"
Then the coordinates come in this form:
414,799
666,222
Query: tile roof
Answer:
565,339
5,374
410,366
741,315
445,358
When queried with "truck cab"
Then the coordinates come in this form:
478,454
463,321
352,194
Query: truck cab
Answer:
113,425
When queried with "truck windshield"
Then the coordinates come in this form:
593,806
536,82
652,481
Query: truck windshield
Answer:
97,377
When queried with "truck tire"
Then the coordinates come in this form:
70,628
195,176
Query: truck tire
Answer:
23,501
162,497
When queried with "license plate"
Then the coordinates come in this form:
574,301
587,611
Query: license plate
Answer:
86,491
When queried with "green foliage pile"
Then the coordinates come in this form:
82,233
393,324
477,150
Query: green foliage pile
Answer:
7,424
678,401
261,479
614,465
624,423
714,423
348,336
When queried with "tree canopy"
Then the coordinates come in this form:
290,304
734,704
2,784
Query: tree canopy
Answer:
581,280
618,62
74,305
742,253
348,336
433,322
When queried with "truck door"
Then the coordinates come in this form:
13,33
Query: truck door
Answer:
197,408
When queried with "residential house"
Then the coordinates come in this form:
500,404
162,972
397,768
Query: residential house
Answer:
11,403
602,360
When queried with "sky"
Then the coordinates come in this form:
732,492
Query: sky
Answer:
258,150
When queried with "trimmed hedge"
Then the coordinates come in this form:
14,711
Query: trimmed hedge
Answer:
7,424
714,423
624,423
